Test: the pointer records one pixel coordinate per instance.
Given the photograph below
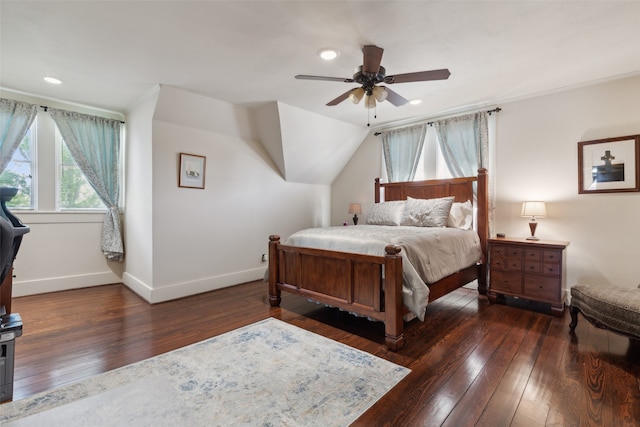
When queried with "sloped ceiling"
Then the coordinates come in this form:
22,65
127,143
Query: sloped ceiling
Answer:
307,147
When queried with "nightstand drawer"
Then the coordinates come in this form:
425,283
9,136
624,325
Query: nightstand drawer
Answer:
532,266
506,264
552,256
506,251
542,268
541,288
532,254
506,281
550,269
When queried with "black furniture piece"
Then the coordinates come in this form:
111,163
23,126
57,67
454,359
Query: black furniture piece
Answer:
11,232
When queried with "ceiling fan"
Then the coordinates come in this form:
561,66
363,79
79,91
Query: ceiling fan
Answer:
370,74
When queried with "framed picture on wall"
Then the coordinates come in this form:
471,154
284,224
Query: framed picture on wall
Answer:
192,171
609,165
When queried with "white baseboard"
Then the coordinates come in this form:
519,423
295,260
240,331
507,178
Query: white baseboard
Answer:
185,289
64,283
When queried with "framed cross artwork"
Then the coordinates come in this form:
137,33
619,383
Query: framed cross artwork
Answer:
609,165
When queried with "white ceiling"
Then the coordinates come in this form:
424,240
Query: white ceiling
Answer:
109,54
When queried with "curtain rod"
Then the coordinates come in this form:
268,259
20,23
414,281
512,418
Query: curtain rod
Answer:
495,110
46,108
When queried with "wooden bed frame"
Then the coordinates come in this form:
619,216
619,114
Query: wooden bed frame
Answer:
354,282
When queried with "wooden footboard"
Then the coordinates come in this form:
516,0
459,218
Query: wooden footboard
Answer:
350,281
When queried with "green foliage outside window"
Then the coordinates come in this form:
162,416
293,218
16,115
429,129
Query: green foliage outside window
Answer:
75,191
18,174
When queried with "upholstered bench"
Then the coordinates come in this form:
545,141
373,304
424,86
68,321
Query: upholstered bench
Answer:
613,308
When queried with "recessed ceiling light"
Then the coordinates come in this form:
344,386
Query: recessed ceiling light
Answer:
328,54
52,80
415,101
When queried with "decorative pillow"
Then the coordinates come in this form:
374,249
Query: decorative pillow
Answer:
427,212
461,215
386,213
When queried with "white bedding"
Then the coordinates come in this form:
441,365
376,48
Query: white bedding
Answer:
428,253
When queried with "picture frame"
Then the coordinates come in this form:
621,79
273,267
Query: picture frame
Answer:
192,171
610,165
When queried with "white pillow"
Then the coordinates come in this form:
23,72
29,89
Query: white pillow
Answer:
461,215
386,213
427,212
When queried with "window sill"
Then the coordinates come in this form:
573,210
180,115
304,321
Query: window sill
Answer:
54,217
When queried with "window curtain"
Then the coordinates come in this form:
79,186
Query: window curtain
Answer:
401,149
15,119
94,143
464,142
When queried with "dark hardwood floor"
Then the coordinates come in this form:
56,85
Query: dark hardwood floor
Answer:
473,363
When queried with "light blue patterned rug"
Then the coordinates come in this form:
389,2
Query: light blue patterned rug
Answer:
269,373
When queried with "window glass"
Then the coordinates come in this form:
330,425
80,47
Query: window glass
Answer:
20,171
74,190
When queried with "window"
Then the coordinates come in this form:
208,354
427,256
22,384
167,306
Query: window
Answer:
46,175
20,172
74,191
432,164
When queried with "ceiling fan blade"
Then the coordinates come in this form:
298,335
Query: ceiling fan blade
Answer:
339,99
330,79
420,76
372,59
395,98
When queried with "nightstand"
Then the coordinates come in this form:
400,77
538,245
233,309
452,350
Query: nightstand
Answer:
530,269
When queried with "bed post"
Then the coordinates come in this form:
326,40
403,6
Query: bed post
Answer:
274,292
483,227
376,198
393,303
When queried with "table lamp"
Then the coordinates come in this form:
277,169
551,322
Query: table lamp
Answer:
355,209
533,210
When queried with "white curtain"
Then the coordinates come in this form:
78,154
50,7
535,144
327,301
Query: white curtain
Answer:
15,119
94,143
402,149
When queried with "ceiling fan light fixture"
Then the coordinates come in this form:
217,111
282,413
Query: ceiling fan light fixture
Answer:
380,93
369,102
328,54
356,95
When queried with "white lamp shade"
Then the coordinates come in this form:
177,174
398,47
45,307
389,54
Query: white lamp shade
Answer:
380,93
369,101
534,209
355,208
356,95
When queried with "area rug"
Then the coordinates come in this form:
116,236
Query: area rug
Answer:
269,373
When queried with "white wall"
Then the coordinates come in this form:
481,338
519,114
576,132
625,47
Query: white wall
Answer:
536,158
207,239
355,182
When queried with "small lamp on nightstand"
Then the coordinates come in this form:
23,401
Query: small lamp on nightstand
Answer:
533,210
355,209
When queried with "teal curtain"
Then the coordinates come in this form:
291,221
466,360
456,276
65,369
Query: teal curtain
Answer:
464,141
402,149
94,143
15,119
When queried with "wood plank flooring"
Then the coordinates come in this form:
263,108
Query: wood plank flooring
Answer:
472,362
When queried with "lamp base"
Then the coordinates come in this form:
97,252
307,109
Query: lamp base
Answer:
532,226
355,219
